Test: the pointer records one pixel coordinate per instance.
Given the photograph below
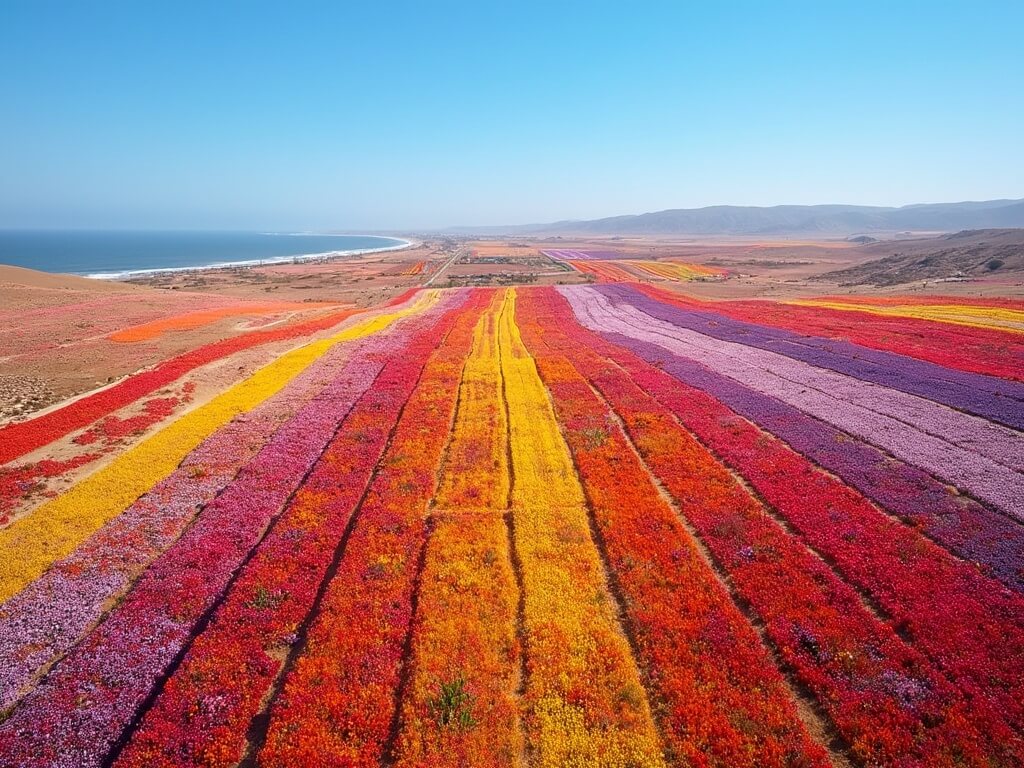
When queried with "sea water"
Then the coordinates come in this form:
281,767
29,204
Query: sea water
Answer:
119,254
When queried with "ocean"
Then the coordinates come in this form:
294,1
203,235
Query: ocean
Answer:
120,254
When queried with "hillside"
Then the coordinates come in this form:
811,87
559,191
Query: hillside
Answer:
839,220
971,253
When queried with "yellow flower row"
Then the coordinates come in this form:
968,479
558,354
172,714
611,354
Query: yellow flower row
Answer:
584,701
466,615
32,544
476,465
671,270
995,318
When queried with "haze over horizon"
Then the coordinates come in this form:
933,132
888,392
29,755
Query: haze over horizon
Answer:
408,117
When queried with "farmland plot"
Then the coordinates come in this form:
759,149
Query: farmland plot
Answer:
596,525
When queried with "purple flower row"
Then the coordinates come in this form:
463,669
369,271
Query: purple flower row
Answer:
77,712
946,443
987,396
958,522
996,442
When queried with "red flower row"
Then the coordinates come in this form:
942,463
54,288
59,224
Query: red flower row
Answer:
23,437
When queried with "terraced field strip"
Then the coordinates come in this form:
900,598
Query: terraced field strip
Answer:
118,666
670,270
338,701
583,699
461,704
199,318
603,270
717,692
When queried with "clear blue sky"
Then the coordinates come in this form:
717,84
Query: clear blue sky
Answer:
363,115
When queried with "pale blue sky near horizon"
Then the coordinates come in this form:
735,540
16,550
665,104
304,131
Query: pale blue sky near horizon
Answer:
404,115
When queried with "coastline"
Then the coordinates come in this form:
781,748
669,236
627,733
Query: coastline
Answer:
127,274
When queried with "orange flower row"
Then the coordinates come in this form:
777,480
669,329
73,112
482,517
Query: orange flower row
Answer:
199,318
465,633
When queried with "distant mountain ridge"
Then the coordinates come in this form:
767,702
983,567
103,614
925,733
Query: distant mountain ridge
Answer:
790,220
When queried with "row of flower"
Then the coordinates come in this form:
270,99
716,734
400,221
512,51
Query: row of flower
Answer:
963,348
75,316
42,621
603,270
886,698
968,529
719,697
995,399
202,715
338,702
82,706
22,485
939,440
584,702
939,601
741,361
954,311
672,270
902,300
53,530
890,703
459,706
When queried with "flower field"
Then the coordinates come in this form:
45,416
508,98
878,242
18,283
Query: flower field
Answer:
590,525
615,267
